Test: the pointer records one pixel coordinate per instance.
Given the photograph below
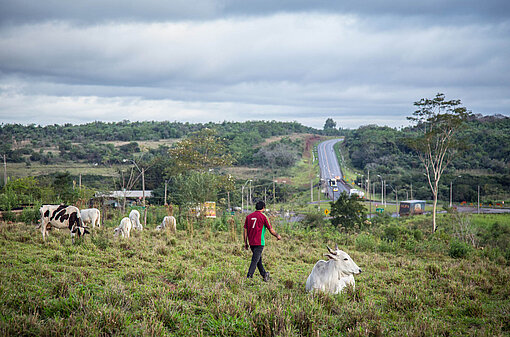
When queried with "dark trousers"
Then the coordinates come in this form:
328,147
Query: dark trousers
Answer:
256,261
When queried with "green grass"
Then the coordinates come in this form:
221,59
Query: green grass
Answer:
18,170
193,283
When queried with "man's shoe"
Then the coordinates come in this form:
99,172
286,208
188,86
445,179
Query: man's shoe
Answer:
266,277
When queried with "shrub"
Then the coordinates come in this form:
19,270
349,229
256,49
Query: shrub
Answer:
391,233
30,215
386,246
365,242
9,216
458,249
313,220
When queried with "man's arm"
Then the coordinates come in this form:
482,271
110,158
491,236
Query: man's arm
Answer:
245,236
276,235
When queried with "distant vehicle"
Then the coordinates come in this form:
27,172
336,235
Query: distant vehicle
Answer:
335,189
332,182
411,207
359,193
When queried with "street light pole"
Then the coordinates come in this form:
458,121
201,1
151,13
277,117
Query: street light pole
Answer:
382,190
143,196
242,196
451,189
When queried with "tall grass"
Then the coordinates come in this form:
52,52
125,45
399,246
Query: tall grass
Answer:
193,283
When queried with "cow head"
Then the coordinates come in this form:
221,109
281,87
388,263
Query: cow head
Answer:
343,261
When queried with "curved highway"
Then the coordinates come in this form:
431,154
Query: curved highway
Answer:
329,168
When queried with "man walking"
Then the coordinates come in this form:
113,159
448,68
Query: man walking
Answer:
254,229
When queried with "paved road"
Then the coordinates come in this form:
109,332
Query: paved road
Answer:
329,167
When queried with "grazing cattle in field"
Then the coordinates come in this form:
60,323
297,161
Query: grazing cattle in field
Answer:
168,222
124,228
91,216
134,216
61,216
334,275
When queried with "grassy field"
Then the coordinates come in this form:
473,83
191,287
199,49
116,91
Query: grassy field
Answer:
193,284
18,170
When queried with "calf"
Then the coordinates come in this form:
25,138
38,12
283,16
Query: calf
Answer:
61,216
168,222
134,216
91,216
334,275
124,228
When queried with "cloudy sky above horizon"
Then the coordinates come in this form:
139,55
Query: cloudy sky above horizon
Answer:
214,60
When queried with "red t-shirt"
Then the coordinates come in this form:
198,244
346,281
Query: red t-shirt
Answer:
256,224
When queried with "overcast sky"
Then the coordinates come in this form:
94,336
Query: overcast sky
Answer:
358,62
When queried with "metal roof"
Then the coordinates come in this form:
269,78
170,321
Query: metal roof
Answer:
127,194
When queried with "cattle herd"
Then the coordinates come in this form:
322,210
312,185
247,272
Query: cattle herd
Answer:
78,221
330,276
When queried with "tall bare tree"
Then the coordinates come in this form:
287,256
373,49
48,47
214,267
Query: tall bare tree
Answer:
438,122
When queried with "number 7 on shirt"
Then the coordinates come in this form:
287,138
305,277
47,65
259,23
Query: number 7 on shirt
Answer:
254,222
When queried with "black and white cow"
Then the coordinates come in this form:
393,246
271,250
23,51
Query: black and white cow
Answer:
61,216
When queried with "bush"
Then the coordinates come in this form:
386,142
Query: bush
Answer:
313,220
391,233
365,242
30,215
458,249
9,216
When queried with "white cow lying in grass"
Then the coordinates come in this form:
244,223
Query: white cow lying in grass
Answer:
124,228
334,275
134,216
91,216
168,222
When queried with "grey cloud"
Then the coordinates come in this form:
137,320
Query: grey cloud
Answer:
90,11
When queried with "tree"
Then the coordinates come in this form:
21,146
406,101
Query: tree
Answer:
194,160
348,212
330,124
438,121
201,151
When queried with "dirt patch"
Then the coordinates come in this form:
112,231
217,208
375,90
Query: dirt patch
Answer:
310,140
292,136
145,144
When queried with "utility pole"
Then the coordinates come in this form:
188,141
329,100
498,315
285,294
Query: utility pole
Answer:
228,200
166,186
274,194
251,198
242,198
311,190
5,170
79,184
143,196
319,196
478,205
368,193
412,191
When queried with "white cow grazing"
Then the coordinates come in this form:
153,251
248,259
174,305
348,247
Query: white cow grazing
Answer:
124,228
91,216
168,222
334,275
61,216
134,216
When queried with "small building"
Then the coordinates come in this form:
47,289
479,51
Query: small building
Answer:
114,198
411,207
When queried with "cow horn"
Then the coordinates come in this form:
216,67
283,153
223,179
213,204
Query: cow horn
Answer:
331,250
336,246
